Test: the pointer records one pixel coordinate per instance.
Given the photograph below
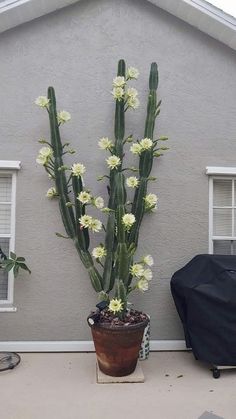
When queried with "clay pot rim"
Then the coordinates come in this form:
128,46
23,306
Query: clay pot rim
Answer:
118,328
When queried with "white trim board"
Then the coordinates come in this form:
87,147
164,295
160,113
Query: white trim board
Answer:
10,164
80,346
226,171
198,13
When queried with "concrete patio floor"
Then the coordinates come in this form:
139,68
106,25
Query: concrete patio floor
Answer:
63,386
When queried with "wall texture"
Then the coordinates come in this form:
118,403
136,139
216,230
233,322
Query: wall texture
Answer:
76,50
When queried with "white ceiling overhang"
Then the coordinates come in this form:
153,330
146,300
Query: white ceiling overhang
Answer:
198,13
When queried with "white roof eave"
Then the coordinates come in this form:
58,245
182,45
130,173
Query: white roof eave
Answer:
198,13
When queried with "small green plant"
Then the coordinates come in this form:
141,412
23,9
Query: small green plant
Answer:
111,266
12,263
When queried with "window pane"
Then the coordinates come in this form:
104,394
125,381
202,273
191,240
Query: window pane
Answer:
4,244
5,219
222,192
222,222
5,188
222,247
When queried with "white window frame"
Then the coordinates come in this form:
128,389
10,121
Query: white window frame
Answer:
219,173
10,168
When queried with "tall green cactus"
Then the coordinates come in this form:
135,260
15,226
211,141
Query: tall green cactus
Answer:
122,233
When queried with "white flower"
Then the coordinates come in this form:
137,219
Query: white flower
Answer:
95,225
119,81
142,284
131,92
132,182
137,270
118,93
45,153
105,144
113,162
146,144
63,117
99,202
115,305
84,197
132,73
85,221
150,200
42,101
147,274
128,220
78,169
133,102
51,193
148,260
136,148
99,252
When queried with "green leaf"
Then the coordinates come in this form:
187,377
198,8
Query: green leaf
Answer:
16,270
13,255
9,266
19,259
24,266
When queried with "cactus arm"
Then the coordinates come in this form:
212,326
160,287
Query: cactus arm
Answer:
60,177
70,220
146,157
119,131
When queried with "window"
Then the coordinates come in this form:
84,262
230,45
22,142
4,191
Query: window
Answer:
7,226
222,210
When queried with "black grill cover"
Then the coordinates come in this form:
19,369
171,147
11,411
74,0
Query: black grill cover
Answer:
204,293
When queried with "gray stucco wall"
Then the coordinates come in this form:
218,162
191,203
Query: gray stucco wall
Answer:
76,50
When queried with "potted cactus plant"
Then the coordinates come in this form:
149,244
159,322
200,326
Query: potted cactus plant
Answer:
114,273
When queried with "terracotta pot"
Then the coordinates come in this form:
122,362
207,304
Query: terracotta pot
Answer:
117,347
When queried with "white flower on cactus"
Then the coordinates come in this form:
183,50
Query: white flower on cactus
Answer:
132,182
132,73
95,225
113,162
105,144
45,153
115,305
99,202
133,102
85,221
78,169
42,101
84,197
148,260
146,144
99,252
136,148
150,200
147,274
131,92
142,285
63,117
128,220
137,270
118,93
51,193
119,81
